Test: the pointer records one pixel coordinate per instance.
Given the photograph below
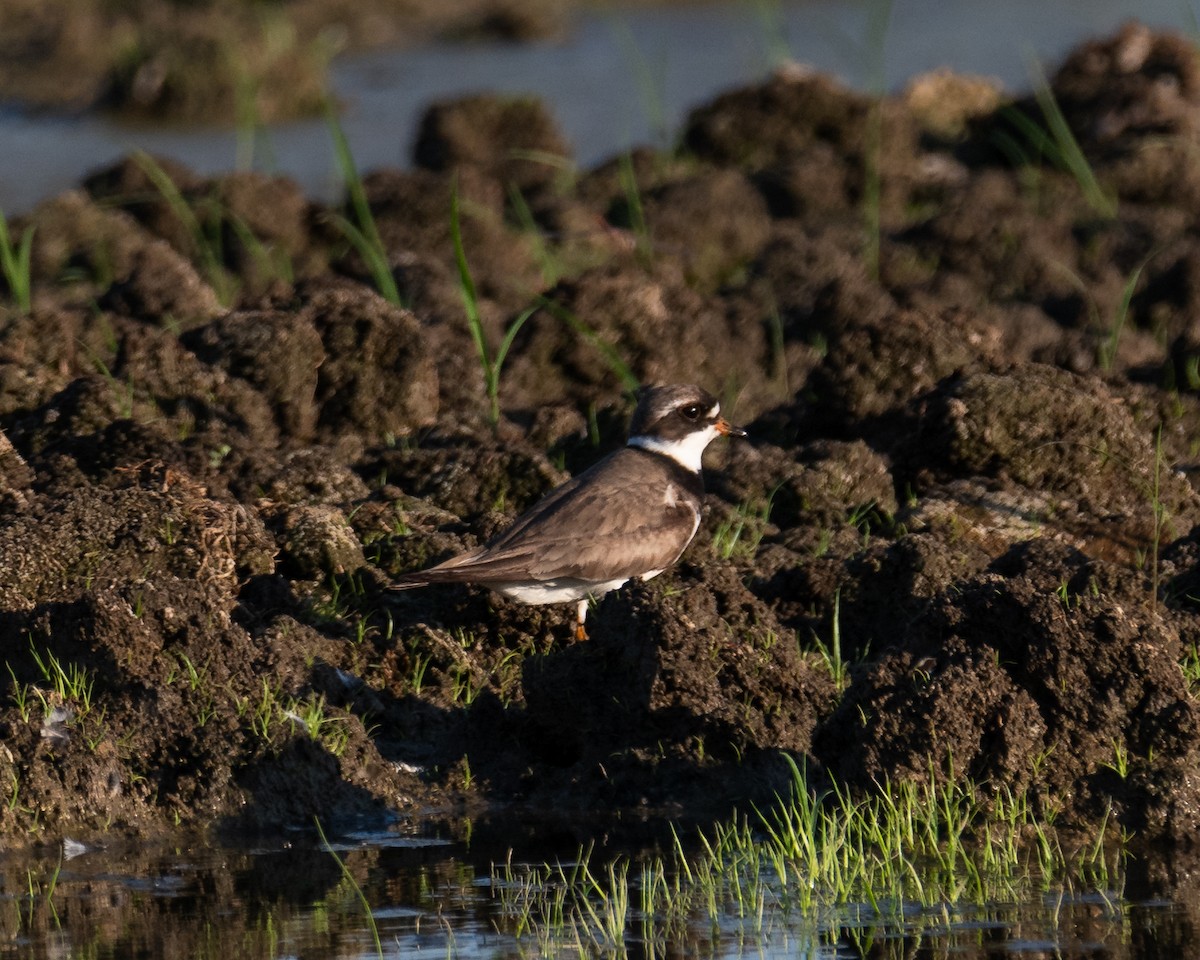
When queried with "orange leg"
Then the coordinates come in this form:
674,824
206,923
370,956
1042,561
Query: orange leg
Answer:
581,609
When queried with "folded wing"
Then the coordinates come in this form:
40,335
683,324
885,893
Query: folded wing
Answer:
579,531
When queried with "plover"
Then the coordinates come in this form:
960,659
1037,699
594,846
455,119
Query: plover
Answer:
630,515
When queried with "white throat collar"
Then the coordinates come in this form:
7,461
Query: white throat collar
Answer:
687,452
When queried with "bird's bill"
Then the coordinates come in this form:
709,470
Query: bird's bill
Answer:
727,429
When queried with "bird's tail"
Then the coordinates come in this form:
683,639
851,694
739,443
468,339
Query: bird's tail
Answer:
460,569
422,578
408,583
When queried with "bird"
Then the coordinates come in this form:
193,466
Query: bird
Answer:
631,515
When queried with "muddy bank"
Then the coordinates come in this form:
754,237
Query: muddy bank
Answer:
230,61
961,537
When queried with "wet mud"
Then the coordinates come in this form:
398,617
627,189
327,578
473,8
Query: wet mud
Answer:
961,539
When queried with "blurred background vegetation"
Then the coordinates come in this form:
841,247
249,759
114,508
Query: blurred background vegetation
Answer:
223,60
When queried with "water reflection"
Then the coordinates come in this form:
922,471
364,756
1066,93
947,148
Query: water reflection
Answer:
438,892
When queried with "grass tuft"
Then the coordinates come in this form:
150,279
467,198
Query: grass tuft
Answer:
1057,143
313,717
831,653
362,232
16,264
490,364
906,850
70,683
742,531
206,247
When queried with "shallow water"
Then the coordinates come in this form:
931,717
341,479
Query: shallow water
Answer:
616,80
437,893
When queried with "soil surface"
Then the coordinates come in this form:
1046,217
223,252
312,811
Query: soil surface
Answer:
962,538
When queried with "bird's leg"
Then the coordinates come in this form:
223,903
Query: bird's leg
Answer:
581,609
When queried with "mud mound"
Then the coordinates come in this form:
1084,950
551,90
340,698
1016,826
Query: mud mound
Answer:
961,537
1060,693
513,142
1132,98
698,671
798,122
663,326
1034,429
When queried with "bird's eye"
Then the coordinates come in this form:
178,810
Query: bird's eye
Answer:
691,412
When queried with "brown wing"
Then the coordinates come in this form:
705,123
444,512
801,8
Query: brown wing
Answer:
581,530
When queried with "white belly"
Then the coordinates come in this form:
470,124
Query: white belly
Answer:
555,591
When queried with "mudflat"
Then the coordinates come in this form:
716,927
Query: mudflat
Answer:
959,328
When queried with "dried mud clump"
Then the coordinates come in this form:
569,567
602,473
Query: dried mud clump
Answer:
512,141
811,138
1034,430
1132,98
712,224
669,677
961,540
563,349
1064,694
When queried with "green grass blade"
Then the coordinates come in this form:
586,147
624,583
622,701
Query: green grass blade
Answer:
510,335
470,294
365,237
15,264
879,14
1035,135
1069,153
633,202
272,261
547,263
24,267
349,877
206,250
470,298
170,193
1108,351
609,352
